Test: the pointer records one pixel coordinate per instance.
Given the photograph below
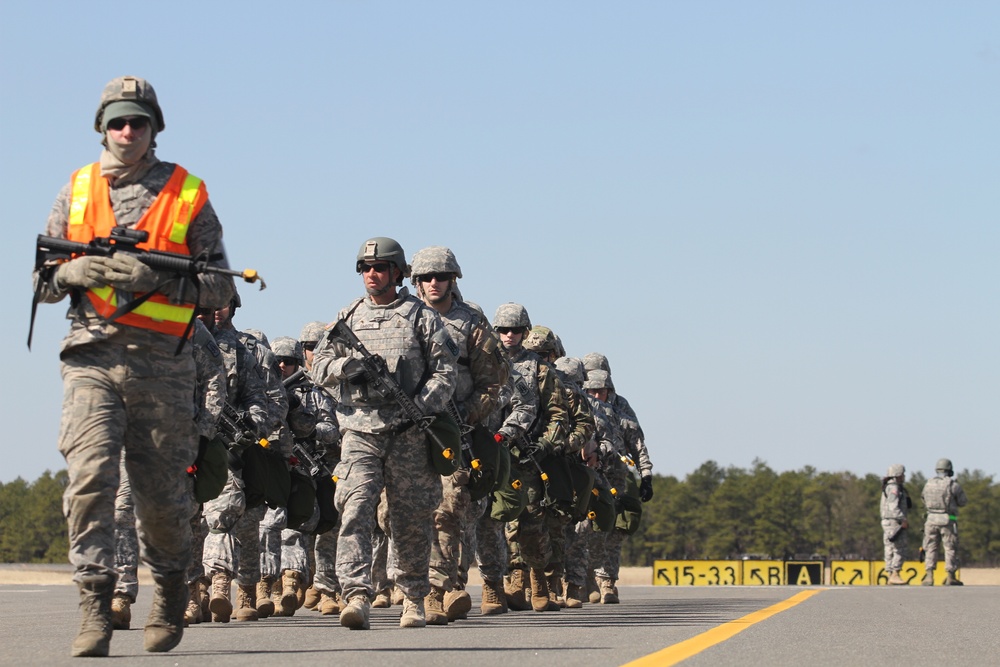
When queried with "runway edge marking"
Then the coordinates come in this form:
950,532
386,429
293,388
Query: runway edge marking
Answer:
689,647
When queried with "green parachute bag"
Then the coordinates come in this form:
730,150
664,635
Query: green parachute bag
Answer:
301,499
510,496
266,477
629,508
326,487
485,463
601,512
559,485
444,444
583,478
210,469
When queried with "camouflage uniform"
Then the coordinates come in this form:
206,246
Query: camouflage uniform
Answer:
942,496
892,508
380,447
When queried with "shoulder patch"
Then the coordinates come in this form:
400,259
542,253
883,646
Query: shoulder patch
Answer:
522,387
452,346
213,348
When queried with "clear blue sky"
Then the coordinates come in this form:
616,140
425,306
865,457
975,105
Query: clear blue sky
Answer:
777,219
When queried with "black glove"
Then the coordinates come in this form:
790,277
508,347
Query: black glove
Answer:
646,489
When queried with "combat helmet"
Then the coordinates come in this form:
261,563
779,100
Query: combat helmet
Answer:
259,335
572,368
384,248
512,316
944,465
312,332
286,346
896,470
596,361
541,341
434,259
128,96
597,379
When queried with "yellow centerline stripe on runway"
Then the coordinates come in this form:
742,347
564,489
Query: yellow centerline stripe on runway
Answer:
689,647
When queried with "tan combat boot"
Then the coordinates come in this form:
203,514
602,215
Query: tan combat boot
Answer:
311,598
204,586
556,590
165,623
289,600
121,611
457,604
514,590
94,638
950,580
413,614
329,605
593,590
540,592
276,589
192,614
574,596
246,602
434,608
219,604
491,604
397,596
355,614
895,579
608,593
928,579
382,600
265,606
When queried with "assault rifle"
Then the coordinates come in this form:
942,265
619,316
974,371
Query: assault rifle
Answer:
378,377
236,430
51,251
468,461
316,465
526,452
293,378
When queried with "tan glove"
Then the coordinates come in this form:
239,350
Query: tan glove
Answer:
126,272
87,271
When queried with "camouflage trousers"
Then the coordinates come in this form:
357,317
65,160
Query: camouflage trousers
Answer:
296,546
583,543
325,550
491,549
895,551
453,519
470,542
232,543
271,527
947,534
400,464
127,541
610,558
380,558
136,399
558,540
528,535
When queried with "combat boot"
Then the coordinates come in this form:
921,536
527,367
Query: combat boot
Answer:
219,604
457,604
289,600
950,580
434,608
540,592
382,600
593,591
265,606
556,590
574,596
355,614
491,604
328,604
608,594
246,602
514,589
312,598
165,623
276,590
413,614
204,586
928,579
895,579
192,614
121,611
397,596
94,638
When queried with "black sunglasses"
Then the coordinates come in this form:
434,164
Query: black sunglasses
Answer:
507,330
378,267
136,123
288,361
440,277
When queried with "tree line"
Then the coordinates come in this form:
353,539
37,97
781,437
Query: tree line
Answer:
714,512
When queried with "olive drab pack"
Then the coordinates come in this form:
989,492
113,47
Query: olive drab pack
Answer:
510,496
486,453
629,507
210,469
301,499
444,444
601,511
266,477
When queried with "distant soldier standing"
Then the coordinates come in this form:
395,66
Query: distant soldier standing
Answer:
942,496
894,503
125,384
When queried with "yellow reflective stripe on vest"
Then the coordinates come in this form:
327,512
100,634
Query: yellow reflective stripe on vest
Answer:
158,312
185,205
81,194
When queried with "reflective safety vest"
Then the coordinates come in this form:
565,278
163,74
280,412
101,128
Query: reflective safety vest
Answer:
167,221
